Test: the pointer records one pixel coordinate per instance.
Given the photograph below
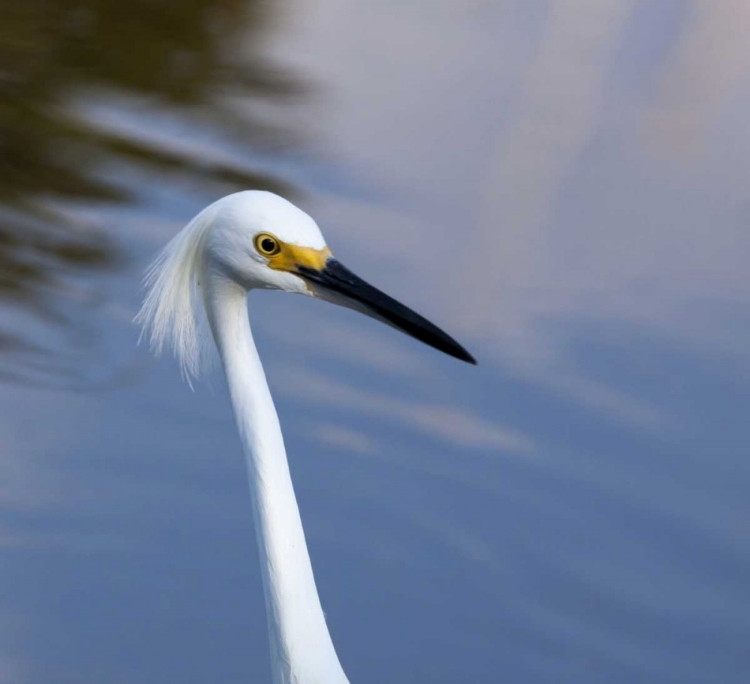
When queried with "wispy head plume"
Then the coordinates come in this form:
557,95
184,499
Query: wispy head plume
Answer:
173,313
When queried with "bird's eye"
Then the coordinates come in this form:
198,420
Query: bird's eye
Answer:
267,244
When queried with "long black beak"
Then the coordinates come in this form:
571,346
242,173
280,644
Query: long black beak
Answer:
350,290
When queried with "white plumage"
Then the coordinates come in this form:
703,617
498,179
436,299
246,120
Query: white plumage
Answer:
197,292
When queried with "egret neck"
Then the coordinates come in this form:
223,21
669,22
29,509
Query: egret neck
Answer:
301,648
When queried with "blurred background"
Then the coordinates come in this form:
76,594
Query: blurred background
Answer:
562,184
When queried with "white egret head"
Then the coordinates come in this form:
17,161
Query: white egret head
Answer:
259,240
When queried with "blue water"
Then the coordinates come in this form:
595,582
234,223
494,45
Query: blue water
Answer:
560,186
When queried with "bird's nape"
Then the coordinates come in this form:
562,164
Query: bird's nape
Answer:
338,284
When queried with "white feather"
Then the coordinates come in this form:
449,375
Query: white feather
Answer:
173,314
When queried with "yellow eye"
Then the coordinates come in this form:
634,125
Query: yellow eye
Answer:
267,245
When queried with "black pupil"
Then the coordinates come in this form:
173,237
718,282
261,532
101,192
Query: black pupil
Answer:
267,244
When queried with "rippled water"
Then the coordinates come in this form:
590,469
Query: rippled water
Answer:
561,185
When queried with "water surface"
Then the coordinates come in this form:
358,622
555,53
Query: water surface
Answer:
561,185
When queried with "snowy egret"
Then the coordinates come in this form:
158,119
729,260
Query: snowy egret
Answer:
197,290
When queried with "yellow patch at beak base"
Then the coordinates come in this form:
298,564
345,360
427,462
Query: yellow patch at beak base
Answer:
291,257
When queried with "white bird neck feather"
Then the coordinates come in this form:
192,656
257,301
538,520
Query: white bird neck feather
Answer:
301,648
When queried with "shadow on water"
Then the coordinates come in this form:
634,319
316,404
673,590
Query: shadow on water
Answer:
194,61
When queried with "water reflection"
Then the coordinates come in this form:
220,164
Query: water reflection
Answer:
571,200
194,60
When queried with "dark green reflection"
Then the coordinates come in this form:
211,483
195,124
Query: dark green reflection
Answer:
185,58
